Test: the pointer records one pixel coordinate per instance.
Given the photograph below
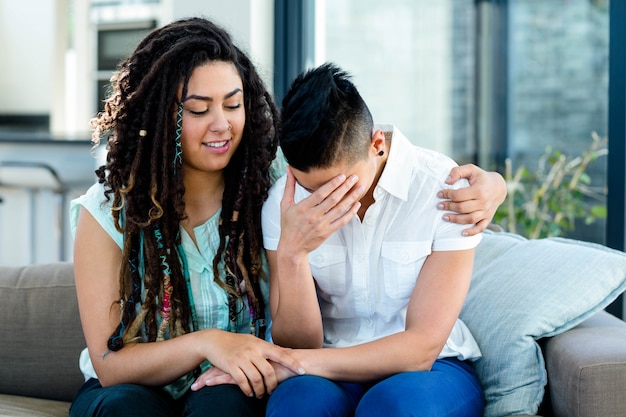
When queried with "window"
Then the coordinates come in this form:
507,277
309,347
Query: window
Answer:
413,62
557,85
477,80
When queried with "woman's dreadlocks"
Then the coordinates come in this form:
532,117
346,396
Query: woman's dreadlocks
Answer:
147,192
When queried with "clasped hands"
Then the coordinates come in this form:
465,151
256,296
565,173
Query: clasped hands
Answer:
257,368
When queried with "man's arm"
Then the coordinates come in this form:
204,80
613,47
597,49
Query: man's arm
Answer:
304,226
475,204
432,312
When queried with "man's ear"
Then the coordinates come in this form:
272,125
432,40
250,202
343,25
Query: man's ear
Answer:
378,142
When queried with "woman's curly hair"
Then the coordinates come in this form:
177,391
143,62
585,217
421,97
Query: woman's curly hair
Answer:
139,123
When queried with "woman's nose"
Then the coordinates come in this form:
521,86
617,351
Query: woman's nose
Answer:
220,123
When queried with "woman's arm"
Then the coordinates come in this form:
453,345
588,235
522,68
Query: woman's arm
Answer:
97,261
477,203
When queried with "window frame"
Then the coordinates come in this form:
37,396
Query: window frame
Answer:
616,168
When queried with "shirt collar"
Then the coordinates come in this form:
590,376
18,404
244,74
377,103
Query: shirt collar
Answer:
396,175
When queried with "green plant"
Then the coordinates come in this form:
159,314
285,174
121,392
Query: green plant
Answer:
548,201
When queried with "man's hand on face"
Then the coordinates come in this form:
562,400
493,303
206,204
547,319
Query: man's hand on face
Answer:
305,225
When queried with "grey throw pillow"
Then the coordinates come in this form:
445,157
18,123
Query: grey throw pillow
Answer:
523,290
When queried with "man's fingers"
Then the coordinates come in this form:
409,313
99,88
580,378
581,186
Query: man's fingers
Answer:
342,197
290,188
329,194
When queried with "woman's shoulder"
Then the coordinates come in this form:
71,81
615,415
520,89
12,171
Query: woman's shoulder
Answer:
95,201
93,198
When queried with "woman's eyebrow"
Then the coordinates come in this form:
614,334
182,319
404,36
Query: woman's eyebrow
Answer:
206,98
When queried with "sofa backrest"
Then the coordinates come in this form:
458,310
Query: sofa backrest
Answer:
40,332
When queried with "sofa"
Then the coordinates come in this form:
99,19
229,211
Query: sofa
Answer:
585,361
41,340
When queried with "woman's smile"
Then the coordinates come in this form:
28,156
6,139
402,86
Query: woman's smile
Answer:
219,146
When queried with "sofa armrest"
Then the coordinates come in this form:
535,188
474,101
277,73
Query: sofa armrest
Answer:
587,368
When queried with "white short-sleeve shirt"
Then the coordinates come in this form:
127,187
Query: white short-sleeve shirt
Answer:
366,271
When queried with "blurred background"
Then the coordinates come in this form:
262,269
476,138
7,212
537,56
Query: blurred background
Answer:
523,84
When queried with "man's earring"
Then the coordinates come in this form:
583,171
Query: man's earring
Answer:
381,153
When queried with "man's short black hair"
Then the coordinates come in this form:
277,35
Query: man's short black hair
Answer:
324,120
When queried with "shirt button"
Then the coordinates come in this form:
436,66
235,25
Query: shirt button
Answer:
405,256
319,258
360,258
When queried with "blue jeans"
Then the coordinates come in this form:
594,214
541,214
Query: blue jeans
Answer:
451,388
92,400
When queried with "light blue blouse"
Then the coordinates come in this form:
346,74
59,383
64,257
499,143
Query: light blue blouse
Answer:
211,301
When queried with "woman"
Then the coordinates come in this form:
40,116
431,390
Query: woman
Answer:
168,258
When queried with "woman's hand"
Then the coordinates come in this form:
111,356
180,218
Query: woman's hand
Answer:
247,360
475,204
215,376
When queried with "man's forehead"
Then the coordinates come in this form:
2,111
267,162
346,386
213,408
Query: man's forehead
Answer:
314,178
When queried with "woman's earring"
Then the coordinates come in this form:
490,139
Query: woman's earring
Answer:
381,153
230,127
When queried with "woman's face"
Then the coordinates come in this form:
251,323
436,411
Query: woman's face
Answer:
213,117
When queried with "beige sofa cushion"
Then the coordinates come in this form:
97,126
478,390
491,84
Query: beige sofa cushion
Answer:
41,333
15,406
587,369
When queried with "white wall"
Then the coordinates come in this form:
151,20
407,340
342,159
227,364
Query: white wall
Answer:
250,22
27,37
37,76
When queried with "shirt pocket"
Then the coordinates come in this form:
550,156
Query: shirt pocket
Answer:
328,267
402,263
